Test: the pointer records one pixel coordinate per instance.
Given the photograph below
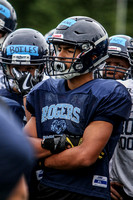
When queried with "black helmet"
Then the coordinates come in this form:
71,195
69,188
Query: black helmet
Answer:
24,46
117,47
46,37
130,54
8,18
49,34
83,33
130,51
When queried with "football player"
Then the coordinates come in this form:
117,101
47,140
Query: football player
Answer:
46,36
119,66
76,124
22,62
8,23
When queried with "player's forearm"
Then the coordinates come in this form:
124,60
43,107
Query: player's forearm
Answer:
73,158
39,151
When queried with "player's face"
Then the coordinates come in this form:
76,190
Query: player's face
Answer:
21,191
25,68
66,52
117,62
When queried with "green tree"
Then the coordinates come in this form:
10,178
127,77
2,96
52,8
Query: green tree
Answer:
44,15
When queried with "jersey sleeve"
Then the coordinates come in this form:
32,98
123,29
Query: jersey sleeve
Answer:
116,106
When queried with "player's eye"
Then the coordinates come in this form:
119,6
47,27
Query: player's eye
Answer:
71,50
57,48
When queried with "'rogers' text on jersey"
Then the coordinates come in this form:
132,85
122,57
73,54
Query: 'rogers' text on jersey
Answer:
60,111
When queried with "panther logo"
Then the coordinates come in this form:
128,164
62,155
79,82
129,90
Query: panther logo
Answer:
58,126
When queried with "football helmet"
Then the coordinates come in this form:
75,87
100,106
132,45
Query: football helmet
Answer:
8,19
85,34
130,52
49,34
46,37
117,47
23,47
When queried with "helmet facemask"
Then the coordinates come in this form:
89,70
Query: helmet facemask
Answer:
110,72
19,80
57,66
130,53
83,63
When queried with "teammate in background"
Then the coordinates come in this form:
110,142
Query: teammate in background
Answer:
76,111
8,23
49,34
22,62
46,37
118,66
16,158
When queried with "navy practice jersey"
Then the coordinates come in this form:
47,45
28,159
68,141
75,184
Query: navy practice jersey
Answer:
58,110
16,109
11,95
19,100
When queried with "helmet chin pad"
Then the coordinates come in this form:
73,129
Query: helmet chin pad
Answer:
60,66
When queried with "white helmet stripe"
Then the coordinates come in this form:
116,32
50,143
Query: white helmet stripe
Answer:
101,39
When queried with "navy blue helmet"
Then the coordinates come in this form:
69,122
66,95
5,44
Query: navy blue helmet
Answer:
130,51
49,34
24,47
117,47
83,33
130,54
8,19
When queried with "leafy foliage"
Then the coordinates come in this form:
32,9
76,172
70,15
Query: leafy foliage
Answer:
44,15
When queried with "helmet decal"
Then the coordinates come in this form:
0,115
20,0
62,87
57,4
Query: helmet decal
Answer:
22,49
58,36
113,48
118,40
5,11
68,22
21,58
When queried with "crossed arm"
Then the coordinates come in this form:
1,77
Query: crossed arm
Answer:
95,137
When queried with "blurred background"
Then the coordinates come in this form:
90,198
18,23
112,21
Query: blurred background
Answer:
44,15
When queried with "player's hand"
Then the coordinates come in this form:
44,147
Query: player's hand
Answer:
24,80
59,143
113,188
